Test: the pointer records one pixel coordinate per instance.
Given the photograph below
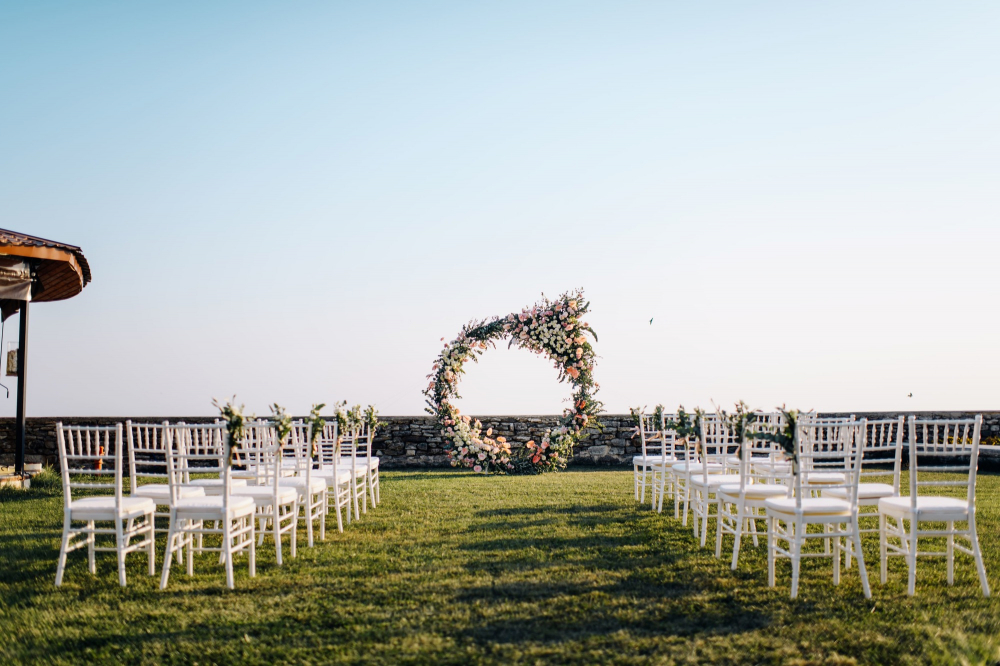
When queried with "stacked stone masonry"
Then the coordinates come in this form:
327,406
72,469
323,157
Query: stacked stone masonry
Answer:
415,441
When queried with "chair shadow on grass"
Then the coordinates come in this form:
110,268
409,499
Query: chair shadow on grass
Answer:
552,578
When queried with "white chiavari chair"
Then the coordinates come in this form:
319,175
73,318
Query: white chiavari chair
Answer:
147,459
741,505
214,485
338,477
674,451
259,460
311,489
205,449
824,464
358,468
367,463
87,455
693,466
717,445
882,446
939,448
651,454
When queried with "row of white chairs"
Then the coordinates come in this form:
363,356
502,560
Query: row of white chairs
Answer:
195,478
847,469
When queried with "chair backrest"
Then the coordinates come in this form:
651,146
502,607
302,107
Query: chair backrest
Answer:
147,451
650,435
829,457
717,441
944,446
259,455
328,445
297,452
90,451
362,449
197,449
883,445
761,460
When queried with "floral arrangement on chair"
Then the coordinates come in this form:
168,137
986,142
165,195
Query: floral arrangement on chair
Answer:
552,328
317,424
235,423
787,437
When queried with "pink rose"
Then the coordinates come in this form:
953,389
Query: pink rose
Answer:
478,468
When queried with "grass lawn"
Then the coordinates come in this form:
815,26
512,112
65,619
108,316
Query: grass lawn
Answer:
456,568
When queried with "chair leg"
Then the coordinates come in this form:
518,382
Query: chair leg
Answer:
687,502
151,547
307,510
752,525
171,536
796,536
91,543
61,567
883,550
836,552
718,527
253,547
642,484
276,530
911,588
194,524
860,557
738,536
120,546
772,542
295,528
635,480
336,504
977,555
950,556
677,499
227,548
324,504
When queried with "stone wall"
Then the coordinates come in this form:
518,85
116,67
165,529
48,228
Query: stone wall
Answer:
415,441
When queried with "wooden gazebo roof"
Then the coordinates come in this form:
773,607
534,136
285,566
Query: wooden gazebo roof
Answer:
61,270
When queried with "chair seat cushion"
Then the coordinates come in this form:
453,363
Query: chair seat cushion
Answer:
316,483
360,470
327,475
766,466
651,460
210,483
715,480
754,490
238,506
263,494
161,492
103,508
927,505
832,478
811,506
681,468
866,491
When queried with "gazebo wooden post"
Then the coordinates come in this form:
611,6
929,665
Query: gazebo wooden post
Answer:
22,395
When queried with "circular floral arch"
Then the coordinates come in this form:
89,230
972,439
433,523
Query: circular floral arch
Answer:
551,328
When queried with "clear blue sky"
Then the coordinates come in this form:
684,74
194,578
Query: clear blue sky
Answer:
295,201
